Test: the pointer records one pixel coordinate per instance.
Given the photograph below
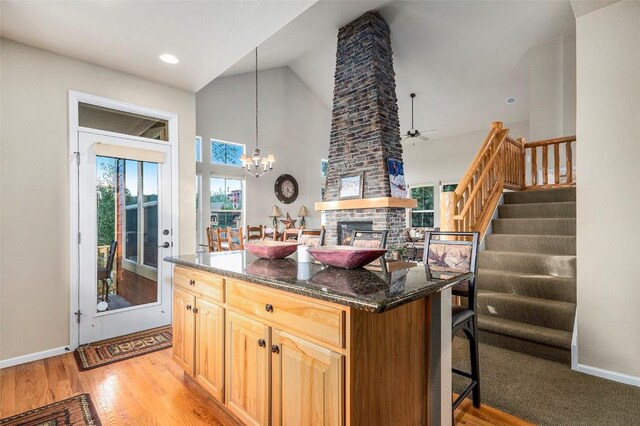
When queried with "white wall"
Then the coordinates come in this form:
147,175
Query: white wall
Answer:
294,127
608,150
445,160
34,216
552,93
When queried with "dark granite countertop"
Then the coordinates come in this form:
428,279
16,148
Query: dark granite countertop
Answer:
366,289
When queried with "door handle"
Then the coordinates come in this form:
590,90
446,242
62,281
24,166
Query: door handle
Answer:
165,245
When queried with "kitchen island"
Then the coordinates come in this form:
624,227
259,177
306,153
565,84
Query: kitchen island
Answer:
281,342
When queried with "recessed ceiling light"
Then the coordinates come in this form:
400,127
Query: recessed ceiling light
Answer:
169,59
511,100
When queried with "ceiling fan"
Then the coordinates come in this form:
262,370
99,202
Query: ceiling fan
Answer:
414,135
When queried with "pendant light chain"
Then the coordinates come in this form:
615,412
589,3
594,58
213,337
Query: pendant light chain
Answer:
257,165
256,97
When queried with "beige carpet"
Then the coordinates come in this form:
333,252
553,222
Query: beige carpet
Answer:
546,392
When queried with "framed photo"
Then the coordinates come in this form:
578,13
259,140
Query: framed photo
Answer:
396,178
351,186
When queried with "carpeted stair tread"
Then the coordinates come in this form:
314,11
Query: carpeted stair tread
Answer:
526,332
535,226
541,210
540,196
530,310
532,263
530,285
542,244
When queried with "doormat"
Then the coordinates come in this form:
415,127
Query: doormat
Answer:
77,410
120,348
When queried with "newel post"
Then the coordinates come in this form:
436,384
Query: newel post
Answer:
447,211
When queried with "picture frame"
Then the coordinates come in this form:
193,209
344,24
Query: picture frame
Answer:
351,186
396,178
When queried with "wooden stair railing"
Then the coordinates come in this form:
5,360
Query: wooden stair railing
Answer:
501,164
559,181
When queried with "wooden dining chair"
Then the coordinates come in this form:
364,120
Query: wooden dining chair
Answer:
213,240
234,238
223,243
456,253
290,234
311,237
255,233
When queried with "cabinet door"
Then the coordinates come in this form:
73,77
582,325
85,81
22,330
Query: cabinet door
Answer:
210,348
307,383
248,351
184,332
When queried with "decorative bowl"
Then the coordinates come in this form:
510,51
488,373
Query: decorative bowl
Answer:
271,249
346,257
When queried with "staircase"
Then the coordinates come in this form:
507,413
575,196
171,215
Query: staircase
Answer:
527,274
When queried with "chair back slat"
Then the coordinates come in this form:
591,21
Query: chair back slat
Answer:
369,239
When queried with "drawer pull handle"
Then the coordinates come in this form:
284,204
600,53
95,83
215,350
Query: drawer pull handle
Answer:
262,343
268,307
195,310
275,349
192,282
188,307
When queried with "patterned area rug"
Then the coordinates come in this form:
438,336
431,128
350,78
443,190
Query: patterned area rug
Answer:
124,347
77,410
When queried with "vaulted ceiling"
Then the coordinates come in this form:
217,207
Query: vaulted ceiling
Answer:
461,58
207,36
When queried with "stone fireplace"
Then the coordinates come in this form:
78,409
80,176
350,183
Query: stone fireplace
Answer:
365,130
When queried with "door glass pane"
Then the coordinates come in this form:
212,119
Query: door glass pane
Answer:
150,206
127,233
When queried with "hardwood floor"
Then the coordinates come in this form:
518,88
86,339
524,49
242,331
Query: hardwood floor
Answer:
147,390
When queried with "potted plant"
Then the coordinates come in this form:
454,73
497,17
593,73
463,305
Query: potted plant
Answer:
397,252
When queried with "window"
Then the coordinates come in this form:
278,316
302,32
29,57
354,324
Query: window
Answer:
228,153
127,123
323,173
198,149
449,187
226,202
422,215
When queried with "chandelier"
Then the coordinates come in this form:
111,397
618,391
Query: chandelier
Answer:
257,165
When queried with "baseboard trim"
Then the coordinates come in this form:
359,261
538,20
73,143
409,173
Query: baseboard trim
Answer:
609,375
10,362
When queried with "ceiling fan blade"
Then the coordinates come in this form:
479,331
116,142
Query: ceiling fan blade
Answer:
422,138
429,131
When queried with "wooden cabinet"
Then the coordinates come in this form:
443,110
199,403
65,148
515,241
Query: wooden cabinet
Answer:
247,369
307,383
282,359
184,330
198,329
210,347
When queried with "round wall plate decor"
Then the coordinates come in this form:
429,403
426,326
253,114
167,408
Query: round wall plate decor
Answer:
286,189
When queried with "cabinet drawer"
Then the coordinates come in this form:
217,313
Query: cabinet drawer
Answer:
200,283
305,316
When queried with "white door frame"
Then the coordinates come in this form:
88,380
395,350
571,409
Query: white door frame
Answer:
75,98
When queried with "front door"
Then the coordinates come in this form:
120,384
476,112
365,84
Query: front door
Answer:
125,232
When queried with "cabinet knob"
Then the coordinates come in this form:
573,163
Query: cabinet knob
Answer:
275,349
192,282
195,310
268,307
262,343
188,307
